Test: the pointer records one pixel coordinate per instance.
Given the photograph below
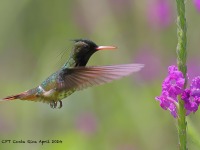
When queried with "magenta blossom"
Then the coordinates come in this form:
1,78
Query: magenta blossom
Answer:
168,102
190,101
192,96
173,86
174,82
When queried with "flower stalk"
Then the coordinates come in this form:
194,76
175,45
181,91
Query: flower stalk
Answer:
181,62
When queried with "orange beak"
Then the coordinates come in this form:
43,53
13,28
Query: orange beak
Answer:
105,47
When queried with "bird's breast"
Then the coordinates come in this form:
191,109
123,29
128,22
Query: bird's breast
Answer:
64,94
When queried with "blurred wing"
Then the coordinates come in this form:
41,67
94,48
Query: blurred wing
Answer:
82,77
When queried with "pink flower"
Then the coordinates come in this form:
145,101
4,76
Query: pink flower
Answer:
172,87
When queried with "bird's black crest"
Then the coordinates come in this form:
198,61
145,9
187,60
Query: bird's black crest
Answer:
87,41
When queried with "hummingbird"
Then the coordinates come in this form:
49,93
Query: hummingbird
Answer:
74,75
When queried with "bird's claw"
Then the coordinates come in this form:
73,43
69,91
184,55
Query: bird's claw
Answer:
53,104
60,104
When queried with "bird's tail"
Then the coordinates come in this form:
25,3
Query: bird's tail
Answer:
27,95
13,97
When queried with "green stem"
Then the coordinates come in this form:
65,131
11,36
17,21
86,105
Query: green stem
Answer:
182,126
181,61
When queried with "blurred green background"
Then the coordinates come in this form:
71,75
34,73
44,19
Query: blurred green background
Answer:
123,115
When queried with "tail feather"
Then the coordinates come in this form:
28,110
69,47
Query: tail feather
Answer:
27,95
13,97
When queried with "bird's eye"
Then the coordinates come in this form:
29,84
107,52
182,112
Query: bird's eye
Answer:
86,47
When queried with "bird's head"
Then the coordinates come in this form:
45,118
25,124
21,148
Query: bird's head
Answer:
83,50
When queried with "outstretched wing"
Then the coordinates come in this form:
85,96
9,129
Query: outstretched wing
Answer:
82,77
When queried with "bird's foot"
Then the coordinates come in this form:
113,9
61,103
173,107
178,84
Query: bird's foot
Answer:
60,104
53,104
